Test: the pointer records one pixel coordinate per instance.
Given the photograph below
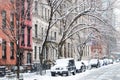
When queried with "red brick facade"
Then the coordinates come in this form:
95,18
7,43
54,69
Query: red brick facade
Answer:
7,25
24,10
96,51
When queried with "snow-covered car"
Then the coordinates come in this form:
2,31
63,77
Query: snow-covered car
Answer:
80,66
64,66
86,62
94,63
111,61
2,71
106,61
117,60
102,63
15,68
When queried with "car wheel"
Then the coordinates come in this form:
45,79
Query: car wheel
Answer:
97,66
78,71
68,73
84,69
89,67
52,73
62,74
74,73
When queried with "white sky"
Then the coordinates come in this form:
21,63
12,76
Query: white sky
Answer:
117,14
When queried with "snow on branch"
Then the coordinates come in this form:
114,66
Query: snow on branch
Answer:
68,36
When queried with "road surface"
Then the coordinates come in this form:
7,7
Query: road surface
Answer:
107,73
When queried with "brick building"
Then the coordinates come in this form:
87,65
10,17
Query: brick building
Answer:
24,18
7,33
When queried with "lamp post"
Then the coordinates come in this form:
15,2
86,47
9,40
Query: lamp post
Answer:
18,60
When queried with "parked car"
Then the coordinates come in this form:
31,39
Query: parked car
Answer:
80,66
111,61
86,62
2,71
64,66
14,69
106,61
117,60
102,63
94,63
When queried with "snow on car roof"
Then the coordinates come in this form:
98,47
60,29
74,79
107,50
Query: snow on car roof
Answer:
93,61
63,61
66,59
78,64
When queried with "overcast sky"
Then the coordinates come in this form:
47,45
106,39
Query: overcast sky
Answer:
117,14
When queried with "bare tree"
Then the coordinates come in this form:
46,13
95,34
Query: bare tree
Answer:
70,12
12,29
89,9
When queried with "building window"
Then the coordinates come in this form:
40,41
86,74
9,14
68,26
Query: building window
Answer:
21,56
39,50
51,35
4,49
71,50
54,35
29,61
42,12
42,33
60,28
22,36
3,19
12,50
36,6
35,54
45,13
23,8
12,21
55,16
36,26
28,9
68,49
12,1
29,29
48,14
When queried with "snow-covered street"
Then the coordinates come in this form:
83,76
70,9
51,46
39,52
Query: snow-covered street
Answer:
109,72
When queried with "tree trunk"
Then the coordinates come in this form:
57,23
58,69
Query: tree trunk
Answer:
81,54
59,51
